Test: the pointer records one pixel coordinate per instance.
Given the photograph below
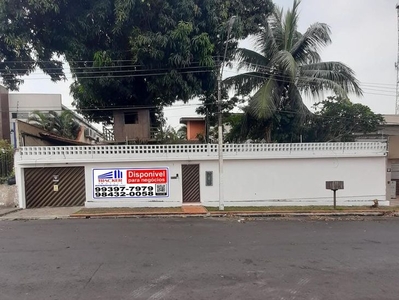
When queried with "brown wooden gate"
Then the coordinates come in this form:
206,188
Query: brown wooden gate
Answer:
397,186
191,183
39,187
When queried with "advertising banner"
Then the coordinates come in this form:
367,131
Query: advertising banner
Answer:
130,183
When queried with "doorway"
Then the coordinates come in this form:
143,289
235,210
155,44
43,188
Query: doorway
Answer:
191,183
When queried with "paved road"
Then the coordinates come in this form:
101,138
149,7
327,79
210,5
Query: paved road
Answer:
199,259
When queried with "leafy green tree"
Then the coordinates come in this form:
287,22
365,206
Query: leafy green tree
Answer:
209,106
335,119
123,52
168,135
286,66
235,122
339,120
6,160
6,146
245,127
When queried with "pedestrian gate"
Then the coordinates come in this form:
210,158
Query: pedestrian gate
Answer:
191,183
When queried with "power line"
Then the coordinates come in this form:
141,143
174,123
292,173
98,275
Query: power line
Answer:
131,75
128,72
98,67
280,80
263,69
75,61
199,69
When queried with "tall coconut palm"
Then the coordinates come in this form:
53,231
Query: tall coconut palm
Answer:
286,65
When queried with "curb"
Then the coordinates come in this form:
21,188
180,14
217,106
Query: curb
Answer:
308,214
150,216
36,218
238,214
9,212
136,215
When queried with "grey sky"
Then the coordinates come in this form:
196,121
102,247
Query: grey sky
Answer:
365,37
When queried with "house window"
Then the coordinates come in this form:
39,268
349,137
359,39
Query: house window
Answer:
131,118
19,115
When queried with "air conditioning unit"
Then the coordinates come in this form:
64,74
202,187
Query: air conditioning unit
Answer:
87,132
90,133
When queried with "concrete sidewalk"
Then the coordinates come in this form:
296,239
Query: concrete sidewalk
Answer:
51,213
6,211
45,213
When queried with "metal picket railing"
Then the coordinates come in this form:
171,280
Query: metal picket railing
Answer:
6,164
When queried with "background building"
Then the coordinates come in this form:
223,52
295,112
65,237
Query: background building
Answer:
18,107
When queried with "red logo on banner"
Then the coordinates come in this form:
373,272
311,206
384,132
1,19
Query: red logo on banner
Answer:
143,176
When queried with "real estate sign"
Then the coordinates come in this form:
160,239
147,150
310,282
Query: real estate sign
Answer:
130,183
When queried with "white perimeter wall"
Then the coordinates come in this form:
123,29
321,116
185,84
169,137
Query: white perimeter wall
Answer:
302,181
279,182
254,174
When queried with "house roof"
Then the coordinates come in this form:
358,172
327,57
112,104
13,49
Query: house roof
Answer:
184,120
39,133
61,140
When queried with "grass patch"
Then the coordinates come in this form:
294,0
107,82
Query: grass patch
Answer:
293,208
127,210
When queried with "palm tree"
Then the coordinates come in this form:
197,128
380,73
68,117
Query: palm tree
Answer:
286,65
42,120
182,132
63,124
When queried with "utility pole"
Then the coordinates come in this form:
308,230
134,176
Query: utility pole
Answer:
397,70
220,120
207,125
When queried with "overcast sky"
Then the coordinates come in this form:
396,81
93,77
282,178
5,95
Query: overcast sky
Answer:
364,36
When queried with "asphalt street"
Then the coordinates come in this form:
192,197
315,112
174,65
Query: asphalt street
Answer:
199,259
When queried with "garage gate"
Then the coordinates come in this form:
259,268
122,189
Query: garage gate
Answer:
54,187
